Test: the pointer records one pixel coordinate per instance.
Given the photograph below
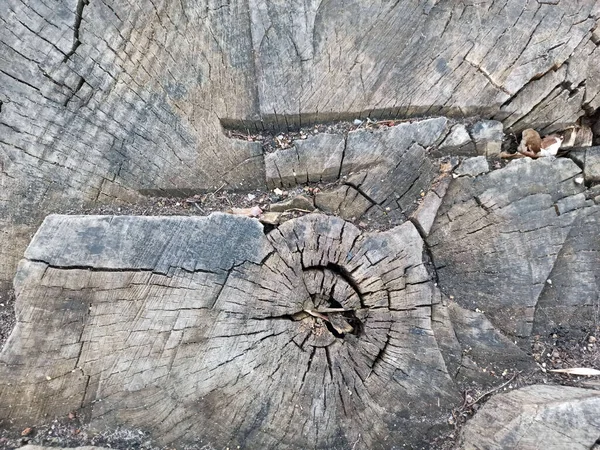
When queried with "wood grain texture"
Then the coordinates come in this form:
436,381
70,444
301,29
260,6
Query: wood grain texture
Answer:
497,238
196,329
108,99
573,297
555,417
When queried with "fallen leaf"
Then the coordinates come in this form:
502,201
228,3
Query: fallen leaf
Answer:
578,371
26,432
270,218
255,211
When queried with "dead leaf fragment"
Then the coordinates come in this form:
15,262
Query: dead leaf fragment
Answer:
270,218
255,211
26,432
584,371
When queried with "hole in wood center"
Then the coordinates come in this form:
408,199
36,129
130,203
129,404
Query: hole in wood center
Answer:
333,303
338,320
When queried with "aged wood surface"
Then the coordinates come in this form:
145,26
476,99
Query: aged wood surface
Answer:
498,237
315,334
304,338
549,417
108,99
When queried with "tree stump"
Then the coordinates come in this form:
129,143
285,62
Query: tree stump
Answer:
205,329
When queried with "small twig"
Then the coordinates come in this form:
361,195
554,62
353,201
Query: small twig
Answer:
316,314
296,210
332,310
491,391
222,186
357,439
197,206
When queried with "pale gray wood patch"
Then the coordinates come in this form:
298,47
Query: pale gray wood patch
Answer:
497,237
554,417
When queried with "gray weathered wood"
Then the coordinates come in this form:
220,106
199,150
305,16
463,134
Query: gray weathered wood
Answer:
164,323
104,100
497,237
539,416
315,159
572,298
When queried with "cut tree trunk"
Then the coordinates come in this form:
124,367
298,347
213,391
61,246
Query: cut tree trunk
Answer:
206,330
105,101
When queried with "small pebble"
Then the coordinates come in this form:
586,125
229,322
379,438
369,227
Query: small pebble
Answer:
357,122
592,339
579,180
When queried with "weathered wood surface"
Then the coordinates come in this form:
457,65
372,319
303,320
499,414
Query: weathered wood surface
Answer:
534,417
572,300
205,329
519,60
103,100
165,323
498,238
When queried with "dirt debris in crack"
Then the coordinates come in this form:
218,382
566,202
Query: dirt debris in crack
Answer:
560,350
272,141
71,431
7,315
225,200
